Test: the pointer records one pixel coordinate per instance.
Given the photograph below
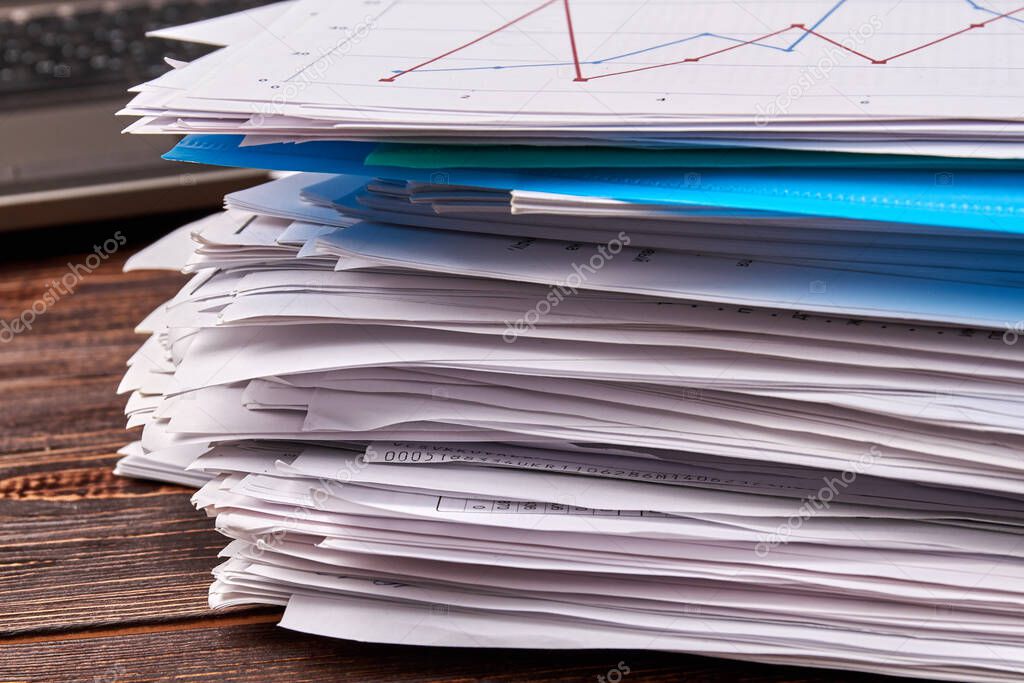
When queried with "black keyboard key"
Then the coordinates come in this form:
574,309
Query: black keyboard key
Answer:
87,48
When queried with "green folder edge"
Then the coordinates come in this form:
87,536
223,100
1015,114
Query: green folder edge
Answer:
407,155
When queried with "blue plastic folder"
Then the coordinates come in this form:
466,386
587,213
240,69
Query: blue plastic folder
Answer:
964,198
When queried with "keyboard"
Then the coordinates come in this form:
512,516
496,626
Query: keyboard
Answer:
50,49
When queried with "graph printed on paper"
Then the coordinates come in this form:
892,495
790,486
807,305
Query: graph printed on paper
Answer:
647,52
602,59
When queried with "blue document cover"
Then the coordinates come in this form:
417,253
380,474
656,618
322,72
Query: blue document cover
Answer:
963,198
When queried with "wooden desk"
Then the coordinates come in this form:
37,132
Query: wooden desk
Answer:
104,579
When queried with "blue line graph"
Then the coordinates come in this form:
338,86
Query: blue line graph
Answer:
816,24
973,4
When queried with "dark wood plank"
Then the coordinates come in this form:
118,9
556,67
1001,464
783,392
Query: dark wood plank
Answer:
250,647
80,547
57,380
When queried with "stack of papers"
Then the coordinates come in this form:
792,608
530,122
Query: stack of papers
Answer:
876,75
748,403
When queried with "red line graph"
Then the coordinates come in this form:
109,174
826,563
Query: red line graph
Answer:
477,40
572,42
812,32
692,59
689,60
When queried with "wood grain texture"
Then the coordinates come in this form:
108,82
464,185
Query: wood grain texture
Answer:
253,649
80,547
104,579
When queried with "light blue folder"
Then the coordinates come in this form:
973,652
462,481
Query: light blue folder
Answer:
988,200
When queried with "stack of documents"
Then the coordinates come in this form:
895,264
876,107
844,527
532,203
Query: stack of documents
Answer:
762,404
870,76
